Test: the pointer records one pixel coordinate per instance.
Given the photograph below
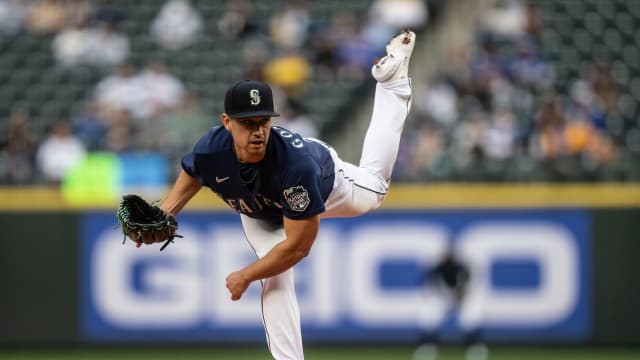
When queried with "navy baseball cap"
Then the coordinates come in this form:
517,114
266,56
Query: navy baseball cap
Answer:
249,98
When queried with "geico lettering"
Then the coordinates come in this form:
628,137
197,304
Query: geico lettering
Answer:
370,247
169,293
548,245
184,287
340,282
551,247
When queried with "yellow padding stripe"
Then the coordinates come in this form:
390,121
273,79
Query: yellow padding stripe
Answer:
513,195
399,197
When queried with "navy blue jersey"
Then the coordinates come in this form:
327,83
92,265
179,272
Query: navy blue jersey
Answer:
293,180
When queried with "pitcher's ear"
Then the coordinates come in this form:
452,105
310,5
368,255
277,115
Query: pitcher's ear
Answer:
226,121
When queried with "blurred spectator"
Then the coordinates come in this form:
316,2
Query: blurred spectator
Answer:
255,54
422,156
468,139
584,106
99,45
163,92
500,136
181,126
566,144
237,20
17,154
353,53
110,46
508,19
604,86
324,56
290,27
488,71
119,132
343,48
12,16
294,117
549,135
73,45
399,14
121,90
289,71
90,127
47,16
439,102
376,32
388,17
528,68
143,95
177,25
59,152
161,89
577,135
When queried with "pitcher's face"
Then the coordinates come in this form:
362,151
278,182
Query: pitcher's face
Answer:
250,136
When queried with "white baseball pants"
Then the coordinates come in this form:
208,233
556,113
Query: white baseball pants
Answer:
356,190
360,189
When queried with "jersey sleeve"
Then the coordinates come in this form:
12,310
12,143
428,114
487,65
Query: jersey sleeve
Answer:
301,197
189,164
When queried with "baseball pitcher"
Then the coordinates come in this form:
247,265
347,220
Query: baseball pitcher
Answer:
282,185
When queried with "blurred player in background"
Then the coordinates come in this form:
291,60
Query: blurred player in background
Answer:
450,279
282,184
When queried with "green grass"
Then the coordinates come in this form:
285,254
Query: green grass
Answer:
312,353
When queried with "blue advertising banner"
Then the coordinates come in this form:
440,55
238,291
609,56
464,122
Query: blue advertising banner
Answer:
363,282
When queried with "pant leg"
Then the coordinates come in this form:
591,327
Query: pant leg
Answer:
390,109
280,311
281,317
359,189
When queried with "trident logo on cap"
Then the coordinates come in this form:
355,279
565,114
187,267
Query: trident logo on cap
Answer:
254,94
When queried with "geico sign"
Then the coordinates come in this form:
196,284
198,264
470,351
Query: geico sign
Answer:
183,287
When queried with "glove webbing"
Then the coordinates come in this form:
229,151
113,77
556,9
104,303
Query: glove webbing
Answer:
140,208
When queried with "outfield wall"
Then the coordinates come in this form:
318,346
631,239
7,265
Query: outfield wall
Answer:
553,264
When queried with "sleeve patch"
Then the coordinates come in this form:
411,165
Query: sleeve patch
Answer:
297,197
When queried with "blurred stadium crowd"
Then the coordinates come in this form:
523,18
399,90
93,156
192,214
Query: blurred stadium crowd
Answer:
547,91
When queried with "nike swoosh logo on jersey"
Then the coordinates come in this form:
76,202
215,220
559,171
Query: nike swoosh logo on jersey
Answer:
221,180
